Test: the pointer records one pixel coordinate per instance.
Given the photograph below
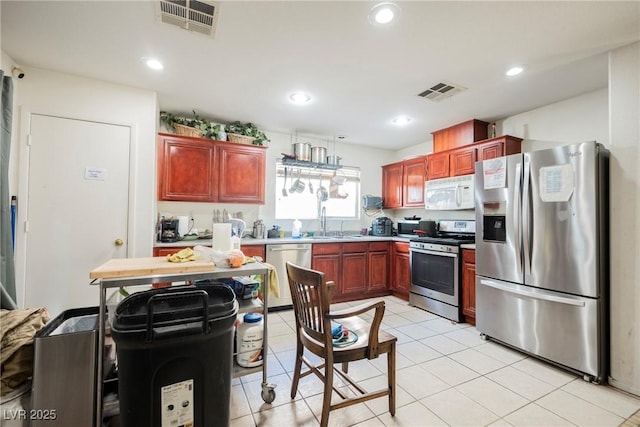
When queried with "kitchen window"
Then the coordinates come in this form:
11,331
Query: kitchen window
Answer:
342,188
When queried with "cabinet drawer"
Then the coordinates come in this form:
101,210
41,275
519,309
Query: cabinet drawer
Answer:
378,246
253,250
401,247
469,255
325,248
350,248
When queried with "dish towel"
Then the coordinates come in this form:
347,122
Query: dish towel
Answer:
274,284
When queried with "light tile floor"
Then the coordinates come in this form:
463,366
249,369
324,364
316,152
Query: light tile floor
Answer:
446,376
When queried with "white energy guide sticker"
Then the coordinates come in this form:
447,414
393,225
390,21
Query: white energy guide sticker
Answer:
177,404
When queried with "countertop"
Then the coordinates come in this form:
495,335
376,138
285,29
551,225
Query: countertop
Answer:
283,240
468,246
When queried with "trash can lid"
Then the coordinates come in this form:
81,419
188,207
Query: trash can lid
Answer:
132,312
252,318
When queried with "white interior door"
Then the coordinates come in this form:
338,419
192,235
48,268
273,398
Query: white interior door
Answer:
77,210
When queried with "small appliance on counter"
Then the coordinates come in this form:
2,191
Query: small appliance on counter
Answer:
382,226
371,202
169,230
259,229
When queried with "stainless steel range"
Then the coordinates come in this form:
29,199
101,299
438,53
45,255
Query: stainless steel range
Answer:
436,268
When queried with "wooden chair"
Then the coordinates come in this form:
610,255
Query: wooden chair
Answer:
311,295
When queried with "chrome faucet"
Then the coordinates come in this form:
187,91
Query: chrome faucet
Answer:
323,220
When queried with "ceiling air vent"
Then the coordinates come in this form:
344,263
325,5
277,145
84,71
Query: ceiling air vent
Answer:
200,16
441,91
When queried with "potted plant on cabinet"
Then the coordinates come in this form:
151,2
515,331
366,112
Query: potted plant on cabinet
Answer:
246,133
191,127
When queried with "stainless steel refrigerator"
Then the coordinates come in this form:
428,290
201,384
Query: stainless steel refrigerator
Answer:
542,259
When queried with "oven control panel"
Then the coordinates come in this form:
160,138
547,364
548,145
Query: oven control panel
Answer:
417,246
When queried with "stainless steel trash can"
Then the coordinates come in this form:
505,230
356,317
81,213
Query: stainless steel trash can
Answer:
64,370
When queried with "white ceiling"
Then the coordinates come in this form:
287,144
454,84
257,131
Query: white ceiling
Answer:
360,76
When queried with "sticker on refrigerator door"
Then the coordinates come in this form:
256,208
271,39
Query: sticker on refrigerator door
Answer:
177,404
494,172
556,183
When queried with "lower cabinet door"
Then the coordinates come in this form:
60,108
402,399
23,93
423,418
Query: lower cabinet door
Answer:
378,271
354,273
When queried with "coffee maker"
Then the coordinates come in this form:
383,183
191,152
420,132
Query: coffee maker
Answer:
169,230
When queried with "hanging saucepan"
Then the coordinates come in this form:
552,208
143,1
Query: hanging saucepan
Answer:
334,160
322,193
318,155
302,151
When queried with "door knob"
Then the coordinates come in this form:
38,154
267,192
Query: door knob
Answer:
119,242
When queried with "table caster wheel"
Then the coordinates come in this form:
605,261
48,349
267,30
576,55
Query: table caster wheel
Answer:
268,395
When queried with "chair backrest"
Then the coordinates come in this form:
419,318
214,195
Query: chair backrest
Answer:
311,296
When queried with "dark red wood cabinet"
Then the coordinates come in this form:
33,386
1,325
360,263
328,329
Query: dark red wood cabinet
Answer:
359,269
403,183
202,170
401,270
469,285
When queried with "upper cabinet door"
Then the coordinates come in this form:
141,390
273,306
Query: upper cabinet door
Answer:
413,182
242,173
490,150
438,165
186,169
463,161
392,185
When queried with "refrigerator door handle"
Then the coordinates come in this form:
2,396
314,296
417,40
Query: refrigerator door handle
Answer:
516,216
534,295
527,216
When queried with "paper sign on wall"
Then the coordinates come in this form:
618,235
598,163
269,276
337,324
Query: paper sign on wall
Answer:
95,174
556,183
495,173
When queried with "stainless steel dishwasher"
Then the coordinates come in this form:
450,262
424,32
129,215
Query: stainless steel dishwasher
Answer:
278,255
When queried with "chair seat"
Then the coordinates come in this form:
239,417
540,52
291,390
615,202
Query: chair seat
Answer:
355,351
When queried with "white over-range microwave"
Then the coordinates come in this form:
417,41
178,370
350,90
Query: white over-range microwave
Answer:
448,194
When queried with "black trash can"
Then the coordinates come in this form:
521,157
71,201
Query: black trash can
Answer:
175,355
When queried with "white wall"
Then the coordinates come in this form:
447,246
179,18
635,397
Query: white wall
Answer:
624,126
64,95
578,119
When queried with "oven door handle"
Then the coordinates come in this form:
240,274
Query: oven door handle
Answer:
423,251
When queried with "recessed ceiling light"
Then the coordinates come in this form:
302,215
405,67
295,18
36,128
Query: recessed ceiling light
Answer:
153,63
514,71
401,120
383,13
299,98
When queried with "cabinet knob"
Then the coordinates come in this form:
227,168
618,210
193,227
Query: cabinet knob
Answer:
119,242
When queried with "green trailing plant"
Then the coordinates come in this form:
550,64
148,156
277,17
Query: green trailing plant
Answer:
209,129
248,129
